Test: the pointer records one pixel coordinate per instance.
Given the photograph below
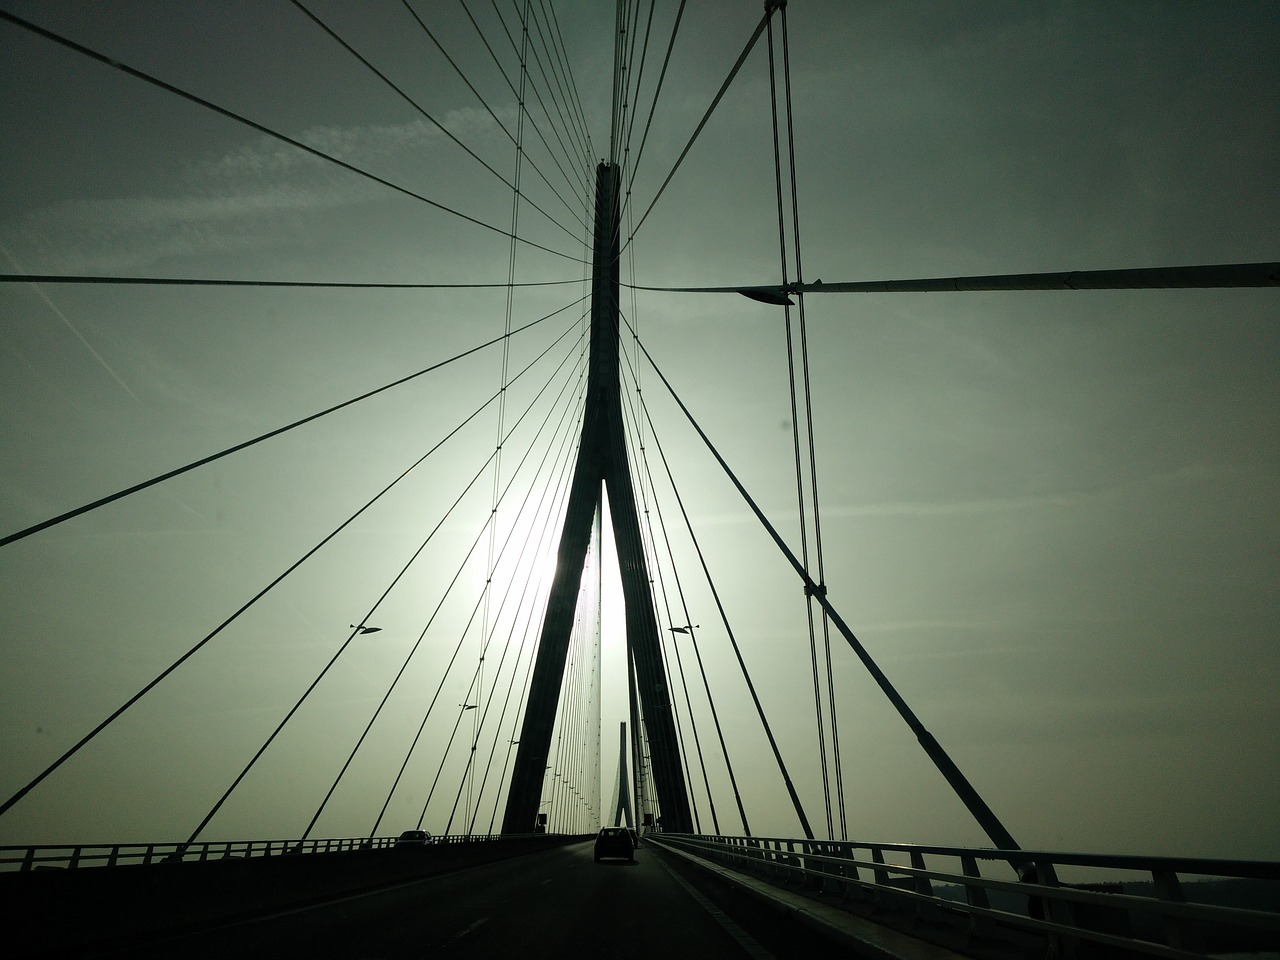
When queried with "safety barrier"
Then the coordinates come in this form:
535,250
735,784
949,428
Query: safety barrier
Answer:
1115,905
73,856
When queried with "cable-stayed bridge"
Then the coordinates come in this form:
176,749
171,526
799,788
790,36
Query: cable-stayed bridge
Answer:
346,611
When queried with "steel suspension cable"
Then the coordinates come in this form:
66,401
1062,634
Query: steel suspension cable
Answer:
448,668
545,538
477,675
254,125
584,171
404,666
559,97
653,106
498,63
577,154
641,474
733,72
688,627
635,96
203,461
314,683
83,741
649,546
484,103
796,443
436,123
969,796
706,683
526,683
567,66
751,689
813,460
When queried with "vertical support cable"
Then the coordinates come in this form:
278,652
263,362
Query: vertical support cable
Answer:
808,405
795,430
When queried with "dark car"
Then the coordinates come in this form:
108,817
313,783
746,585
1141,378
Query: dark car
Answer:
615,842
413,838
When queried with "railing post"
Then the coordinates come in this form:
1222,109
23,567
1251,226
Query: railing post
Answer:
1179,932
979,926
147,855
1059,912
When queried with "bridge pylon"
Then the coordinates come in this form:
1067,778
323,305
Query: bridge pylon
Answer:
601,467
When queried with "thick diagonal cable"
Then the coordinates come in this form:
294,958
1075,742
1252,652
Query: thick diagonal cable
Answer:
795,437
466,628
83,741
448,668
360,741
1194,276
643,481
969,796
733,72
254,125
436,123
484,103
742,665
356,631
653,106
203,461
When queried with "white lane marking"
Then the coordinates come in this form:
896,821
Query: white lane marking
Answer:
462,933
740,936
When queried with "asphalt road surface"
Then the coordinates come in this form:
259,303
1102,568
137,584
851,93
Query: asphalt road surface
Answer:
558,903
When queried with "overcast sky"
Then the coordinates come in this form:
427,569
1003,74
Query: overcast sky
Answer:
1050,517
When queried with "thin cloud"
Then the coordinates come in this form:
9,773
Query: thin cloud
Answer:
66,321
228,201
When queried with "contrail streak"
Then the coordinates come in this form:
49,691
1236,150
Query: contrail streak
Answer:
70,326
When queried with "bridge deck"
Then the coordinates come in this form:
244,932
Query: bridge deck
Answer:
556,903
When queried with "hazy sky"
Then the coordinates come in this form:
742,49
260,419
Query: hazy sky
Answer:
1050,517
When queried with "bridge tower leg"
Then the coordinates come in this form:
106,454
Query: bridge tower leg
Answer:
601,466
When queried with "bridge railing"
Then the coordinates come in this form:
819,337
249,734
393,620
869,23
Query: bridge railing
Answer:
75,856
1129,905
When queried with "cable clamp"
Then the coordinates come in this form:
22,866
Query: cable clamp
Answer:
815,590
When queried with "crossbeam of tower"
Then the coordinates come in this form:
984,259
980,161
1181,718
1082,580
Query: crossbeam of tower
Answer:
601,466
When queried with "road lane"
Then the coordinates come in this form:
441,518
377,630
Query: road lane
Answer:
558,903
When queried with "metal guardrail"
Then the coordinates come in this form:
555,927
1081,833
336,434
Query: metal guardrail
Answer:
1132,906
88,855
